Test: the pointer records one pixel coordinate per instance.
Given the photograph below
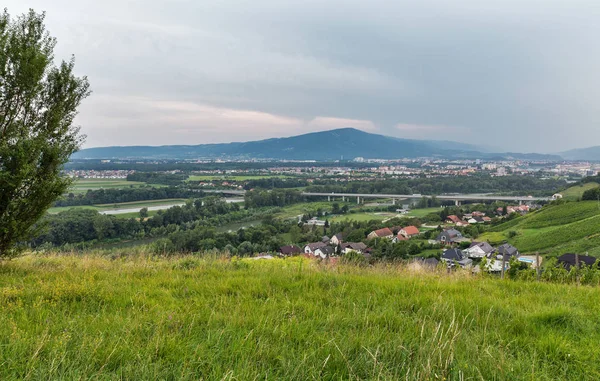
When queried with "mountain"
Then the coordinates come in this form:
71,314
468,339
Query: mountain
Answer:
346,143
590,153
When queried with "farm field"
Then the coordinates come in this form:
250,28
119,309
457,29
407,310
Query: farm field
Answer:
83,185
555,230
575,192
85,317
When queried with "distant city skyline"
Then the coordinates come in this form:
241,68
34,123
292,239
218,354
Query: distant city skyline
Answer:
518,75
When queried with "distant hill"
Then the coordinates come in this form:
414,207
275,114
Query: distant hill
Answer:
590,153
346,143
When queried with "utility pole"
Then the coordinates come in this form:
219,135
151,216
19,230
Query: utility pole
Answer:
577,266
538,268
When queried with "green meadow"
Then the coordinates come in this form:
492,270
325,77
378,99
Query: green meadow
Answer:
216,319
575,192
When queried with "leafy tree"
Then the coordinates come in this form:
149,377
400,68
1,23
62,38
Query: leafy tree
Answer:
144,212
38,103
335,208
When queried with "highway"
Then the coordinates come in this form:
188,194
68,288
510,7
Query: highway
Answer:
452,197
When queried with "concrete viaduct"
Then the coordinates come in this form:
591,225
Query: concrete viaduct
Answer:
457,198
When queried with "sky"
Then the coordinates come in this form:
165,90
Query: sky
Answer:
518,75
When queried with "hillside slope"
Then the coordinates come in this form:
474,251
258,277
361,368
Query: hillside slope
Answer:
81,317
555,229
589,153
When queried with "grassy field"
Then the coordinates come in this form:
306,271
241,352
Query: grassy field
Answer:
124,205
575,192
555,229
422,212
191,319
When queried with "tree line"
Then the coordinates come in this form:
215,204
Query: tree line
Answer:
115,196
480,183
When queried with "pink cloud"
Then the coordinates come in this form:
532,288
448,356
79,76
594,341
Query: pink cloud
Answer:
146,121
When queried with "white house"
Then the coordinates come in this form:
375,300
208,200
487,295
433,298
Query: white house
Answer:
479,250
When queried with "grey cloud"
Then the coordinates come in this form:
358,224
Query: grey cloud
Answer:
517,74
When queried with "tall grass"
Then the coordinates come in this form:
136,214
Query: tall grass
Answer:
192,318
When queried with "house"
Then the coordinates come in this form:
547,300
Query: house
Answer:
569,260
399,238
507,251
479,250
381,233
452,219
311,247
315,222
454,255
495,266
487,219
357,247
449,236
324,252
290,250
336,240
325,239
477,214
476,220
409,231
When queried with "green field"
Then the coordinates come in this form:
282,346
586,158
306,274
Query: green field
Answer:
555,229
235,177
191,319
83,185
575,192
423,212
124,205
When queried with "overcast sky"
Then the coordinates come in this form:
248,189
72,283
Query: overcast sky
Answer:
520,75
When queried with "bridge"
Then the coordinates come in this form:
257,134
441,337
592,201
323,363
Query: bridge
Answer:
457,198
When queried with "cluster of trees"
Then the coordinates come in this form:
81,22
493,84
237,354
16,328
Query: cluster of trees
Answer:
115,196
83,225
158,178
275,197
480,183
275,182
591,194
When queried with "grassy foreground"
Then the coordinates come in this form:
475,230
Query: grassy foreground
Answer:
189,318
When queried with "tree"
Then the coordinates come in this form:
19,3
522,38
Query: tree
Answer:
143,212
38,103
